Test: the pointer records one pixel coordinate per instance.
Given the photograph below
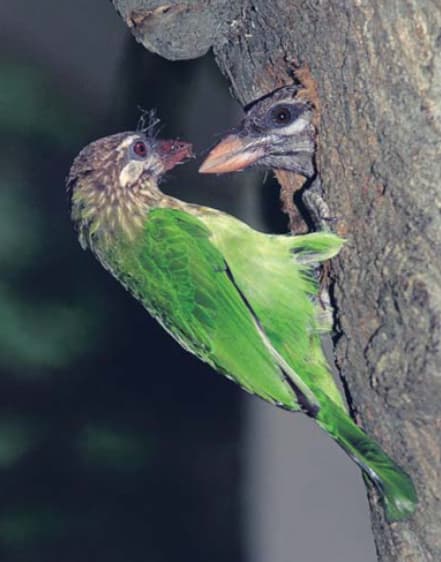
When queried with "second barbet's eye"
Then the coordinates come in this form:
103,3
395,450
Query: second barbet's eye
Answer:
140,149
281,116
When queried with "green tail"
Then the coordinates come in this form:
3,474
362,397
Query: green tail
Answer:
393,484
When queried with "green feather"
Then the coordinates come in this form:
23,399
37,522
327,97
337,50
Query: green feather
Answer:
393,484
272,272
182,280
282,291
247,304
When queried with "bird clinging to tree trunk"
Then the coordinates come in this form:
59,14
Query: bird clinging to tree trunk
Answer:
242,301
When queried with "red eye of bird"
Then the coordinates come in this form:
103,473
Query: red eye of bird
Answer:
140,149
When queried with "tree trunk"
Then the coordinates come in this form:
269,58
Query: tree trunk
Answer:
377,66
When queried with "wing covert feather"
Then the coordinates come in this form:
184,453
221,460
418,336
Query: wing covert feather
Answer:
182,279
274,273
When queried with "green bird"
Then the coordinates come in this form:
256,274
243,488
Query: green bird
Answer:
244,302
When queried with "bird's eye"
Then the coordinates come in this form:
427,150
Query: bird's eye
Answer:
281,115
140,149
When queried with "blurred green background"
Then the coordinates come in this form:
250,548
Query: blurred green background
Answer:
115,444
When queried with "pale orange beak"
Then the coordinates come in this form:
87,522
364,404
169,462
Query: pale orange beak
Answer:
232,154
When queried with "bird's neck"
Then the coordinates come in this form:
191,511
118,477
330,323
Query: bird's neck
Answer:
108,216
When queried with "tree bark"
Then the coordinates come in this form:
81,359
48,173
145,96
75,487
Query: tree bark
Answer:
377,66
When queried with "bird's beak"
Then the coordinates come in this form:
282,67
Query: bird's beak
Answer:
232,154
174,152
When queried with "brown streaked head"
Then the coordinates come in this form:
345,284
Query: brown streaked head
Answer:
114,181
276,132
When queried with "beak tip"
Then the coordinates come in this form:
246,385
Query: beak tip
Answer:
203,168
231,155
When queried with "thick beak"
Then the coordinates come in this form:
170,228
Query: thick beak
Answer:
232,154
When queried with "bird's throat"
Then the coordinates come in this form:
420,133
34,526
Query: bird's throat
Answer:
105,215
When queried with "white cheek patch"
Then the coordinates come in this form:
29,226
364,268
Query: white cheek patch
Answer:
131,172
298,126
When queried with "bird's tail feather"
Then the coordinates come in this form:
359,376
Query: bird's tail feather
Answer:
394,485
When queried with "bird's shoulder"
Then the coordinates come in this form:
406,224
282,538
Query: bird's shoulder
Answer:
181,263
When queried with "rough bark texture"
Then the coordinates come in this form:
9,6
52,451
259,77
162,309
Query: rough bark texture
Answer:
378,71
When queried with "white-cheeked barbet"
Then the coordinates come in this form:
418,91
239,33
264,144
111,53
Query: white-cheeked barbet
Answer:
242,301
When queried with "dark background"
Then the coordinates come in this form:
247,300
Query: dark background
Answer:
115,444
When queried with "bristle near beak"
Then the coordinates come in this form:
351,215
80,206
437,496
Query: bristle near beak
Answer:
232,154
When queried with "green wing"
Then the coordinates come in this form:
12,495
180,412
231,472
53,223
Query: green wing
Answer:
183,281
275,275
216,311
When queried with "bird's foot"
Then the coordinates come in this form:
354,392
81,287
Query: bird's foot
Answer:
313,199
